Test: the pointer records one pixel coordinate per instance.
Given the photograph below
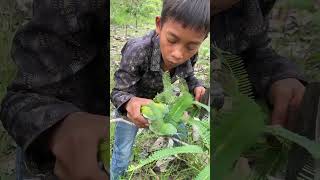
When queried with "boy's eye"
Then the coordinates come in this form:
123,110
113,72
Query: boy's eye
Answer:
172,41
191,48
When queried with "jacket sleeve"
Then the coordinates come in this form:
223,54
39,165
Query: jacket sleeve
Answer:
191,79
128,74
265,66
48,51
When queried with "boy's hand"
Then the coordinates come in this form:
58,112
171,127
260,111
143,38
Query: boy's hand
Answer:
133,107
74,143
286,96
199,92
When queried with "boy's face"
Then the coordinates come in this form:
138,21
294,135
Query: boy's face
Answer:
177,43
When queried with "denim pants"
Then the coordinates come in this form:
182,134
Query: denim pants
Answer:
122,149
125,135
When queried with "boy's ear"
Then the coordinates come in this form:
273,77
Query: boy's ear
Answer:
158,24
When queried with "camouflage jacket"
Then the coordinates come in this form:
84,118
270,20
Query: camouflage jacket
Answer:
140,71
243,30
60,56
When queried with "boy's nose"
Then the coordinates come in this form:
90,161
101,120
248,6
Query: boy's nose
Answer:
177,54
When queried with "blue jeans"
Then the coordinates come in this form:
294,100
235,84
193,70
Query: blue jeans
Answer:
122,149
125,135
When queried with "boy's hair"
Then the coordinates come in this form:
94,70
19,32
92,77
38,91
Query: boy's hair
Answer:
194,14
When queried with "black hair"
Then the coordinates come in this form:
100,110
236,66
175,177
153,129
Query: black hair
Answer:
194,14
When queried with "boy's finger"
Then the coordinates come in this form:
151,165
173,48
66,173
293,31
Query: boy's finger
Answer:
279,113
197,97
202,93
145,102
296,99
138,119
142,120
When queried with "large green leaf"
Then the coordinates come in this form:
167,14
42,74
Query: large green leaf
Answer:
154,111
206,107
235,132
176,111
204,174
311,146
161,128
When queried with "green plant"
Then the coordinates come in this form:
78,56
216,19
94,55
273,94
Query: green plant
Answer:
166,113
124,12
249,136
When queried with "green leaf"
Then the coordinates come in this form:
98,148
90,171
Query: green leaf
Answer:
183,86
164,153
312,147
168,129
161,128
154,111
270,155
204,130
206,107
178,108
204,174
234,78
104,153
235,132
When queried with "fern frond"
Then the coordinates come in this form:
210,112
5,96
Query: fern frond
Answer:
164,153
235,65
183,86
270,156
204,174
166,96
308,171
204,130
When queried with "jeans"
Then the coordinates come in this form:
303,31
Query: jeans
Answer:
122,149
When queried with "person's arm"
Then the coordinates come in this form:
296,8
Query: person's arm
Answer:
274,77
265,66
191,79
195,85
126,77
49,51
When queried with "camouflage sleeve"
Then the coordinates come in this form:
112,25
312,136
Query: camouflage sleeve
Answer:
128,74
216,90
53,46
265,66
191,80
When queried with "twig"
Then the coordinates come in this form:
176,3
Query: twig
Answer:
132,124
121,120
181,142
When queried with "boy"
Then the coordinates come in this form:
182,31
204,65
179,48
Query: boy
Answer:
241,27
172,47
